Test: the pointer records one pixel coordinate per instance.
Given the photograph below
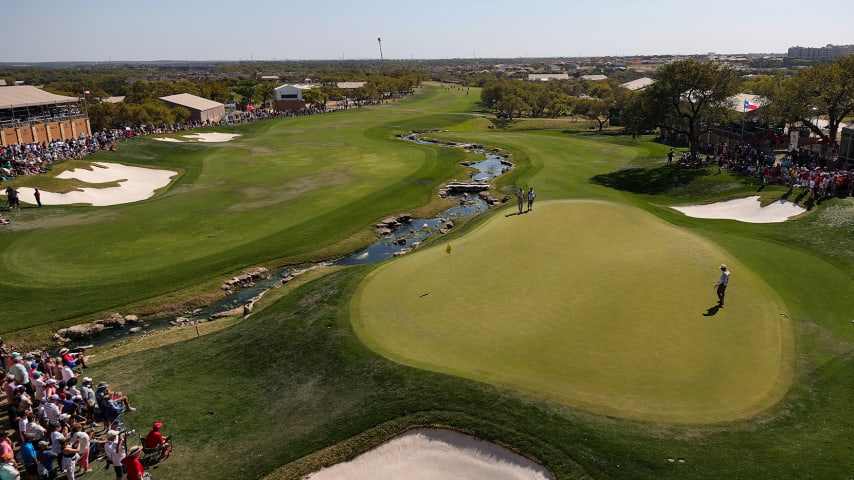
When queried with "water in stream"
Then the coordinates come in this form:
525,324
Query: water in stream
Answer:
402,239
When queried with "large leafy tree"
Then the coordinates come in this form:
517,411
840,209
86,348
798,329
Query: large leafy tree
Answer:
821,91
218,91
603,97
690,95
245,89
264,92
508,97
511,106
316,97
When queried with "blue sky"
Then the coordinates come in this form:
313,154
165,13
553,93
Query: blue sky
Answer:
98,30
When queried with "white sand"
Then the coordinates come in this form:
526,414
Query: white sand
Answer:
432,454
201,137
136,183
746,209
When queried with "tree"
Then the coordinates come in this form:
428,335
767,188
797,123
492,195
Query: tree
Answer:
691,96
264,92
598,107
316,97
217,91
823,90
639,112
559,106
510,105
593,109
246,90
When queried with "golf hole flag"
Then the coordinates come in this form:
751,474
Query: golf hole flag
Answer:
448,249
750,106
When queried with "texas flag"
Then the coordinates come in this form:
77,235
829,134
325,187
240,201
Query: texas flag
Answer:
750,106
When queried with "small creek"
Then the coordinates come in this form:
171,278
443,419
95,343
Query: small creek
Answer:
401,239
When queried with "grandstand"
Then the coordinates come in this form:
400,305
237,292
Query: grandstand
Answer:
29,114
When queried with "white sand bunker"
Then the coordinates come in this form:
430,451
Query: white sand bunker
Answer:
136,183
201,137
431,454
746,209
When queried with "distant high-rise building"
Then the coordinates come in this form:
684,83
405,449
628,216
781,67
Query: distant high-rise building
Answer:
828,52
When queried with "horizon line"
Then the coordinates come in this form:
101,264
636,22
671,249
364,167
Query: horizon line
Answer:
411,59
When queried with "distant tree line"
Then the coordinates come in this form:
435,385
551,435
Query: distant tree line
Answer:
141,104
689,97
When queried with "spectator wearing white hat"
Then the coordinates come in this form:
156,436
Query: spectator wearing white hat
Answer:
65,424
51,410
89,401
49,388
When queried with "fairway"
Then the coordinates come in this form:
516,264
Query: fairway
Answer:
594,304
300,189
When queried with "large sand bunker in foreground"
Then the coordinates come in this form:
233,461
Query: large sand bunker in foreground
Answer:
430,453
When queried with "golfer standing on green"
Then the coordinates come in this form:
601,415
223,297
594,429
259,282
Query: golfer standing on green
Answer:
520,199
723,281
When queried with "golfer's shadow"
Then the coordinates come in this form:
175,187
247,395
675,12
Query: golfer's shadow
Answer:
516,213
712,311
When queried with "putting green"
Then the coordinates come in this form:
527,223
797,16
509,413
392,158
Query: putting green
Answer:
594,304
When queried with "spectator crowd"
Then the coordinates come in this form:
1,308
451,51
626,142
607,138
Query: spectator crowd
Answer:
795,169
59,421
36,158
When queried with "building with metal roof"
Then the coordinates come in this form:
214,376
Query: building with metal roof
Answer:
638,84
350,85
24,96
29,114
594,78
544,77
201,109
289,97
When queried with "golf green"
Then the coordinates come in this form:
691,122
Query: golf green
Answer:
594,304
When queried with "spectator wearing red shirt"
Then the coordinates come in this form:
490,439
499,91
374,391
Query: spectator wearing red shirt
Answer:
133,467
155,439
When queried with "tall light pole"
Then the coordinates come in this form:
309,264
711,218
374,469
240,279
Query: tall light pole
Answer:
380,42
